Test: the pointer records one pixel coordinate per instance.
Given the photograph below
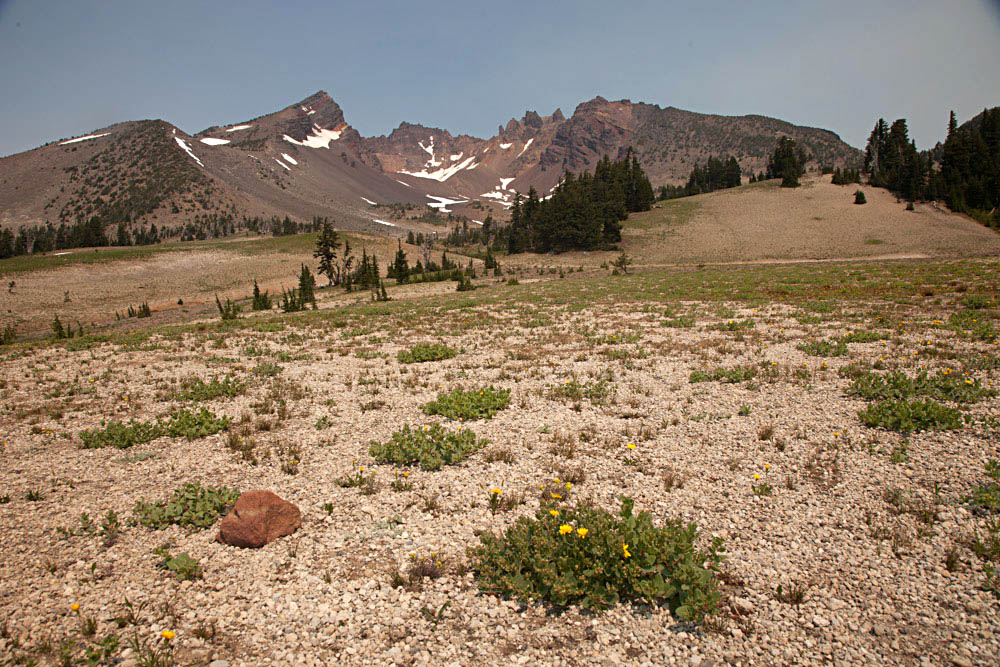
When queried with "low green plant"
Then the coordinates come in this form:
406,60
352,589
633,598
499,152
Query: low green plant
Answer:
824,348
987,496
191,505
193,425
587,556
183,565
597,392
196,389
429,447
908,416
731,375
465,405
897,385
421,353
119,434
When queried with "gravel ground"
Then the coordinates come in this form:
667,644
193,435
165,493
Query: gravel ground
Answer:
878,587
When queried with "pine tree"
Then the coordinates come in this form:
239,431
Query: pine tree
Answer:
307,286
326,251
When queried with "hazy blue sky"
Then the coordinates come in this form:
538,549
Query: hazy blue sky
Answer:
73,66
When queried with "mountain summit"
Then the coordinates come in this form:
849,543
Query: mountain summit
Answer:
306,160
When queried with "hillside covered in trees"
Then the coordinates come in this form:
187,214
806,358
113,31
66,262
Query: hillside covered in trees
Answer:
965,170
583,212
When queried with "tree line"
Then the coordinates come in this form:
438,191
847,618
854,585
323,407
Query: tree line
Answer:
584,212
964,171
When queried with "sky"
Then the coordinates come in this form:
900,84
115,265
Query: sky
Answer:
70,67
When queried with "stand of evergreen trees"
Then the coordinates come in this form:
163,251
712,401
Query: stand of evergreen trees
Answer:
583,213
965,170
95,232
787,162
715,175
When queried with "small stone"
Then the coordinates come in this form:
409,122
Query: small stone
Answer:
258,518
219,663
743,605
961,661
820,621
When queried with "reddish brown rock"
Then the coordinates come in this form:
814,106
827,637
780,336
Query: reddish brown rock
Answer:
259,517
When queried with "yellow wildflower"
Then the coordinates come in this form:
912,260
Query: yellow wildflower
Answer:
556,496
767,466
630,446
75,606
168,634
554,512
565,528
582,532
496,491
625,551
756,476
568,486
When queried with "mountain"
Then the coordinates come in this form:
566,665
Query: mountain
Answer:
306,160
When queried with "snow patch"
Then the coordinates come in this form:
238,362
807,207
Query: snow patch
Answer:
506,146
89,136
444,173
238,127
187,149
211,141
383,222
373,203
504,182
456,157
60,254
478,222
288,158
282,164
494,195
320,138
433,162
441,203
525,147
402,183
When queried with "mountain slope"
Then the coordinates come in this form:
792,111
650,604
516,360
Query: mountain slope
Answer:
306,160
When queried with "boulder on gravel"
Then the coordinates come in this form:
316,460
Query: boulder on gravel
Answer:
258,518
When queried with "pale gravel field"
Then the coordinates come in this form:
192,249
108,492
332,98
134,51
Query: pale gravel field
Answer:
878,589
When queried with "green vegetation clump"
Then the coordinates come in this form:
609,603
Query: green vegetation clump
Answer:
987,495
725,375
119,434
196,389
192,505
430,447
897,386
192,425
464,405
859,197
587,556
421,353
183,565
908,416
596,392
824,348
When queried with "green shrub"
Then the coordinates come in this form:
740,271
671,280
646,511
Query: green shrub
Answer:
681,322
590,557
987,496
196,389
725,375
420,353
192,425
191,505
861,336
430,447
897,386
824,348
908,416
119,434
474,404
185,567
596,392
859,197
733,325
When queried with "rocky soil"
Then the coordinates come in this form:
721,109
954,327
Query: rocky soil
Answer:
869,525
